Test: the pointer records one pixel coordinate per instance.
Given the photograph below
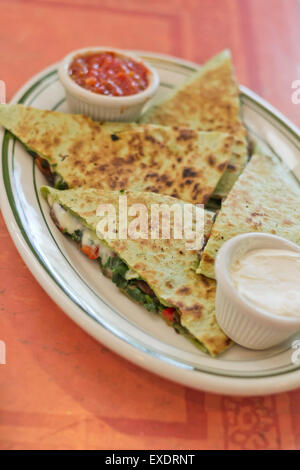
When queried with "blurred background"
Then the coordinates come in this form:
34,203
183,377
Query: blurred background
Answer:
263,36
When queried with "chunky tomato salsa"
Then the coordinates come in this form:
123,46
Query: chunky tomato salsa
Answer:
109,73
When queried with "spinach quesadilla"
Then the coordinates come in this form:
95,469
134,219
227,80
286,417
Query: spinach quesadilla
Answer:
266,198
208,101
158,273
74,151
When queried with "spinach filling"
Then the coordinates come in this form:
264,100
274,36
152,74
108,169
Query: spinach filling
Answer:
77,236
48,170
150,302
132,287
59,182
119,269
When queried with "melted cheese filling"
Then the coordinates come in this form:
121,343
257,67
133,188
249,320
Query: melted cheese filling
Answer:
70,224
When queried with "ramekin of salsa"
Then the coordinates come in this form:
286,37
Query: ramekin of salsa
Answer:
107,84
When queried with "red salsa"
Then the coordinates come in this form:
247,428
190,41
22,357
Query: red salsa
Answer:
109,73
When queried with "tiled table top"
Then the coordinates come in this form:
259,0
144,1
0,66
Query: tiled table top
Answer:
60,389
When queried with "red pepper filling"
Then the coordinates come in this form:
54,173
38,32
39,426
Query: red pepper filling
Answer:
91,251
168,314
43,165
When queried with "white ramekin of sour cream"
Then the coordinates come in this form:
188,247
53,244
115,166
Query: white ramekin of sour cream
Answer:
257,300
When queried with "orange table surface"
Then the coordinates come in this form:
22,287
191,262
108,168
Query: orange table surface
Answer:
60,389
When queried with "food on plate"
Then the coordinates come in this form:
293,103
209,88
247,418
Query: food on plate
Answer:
109,73
192,146
53,127
158,273
74,151
265,198
208,101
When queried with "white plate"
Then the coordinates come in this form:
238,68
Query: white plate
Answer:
92,301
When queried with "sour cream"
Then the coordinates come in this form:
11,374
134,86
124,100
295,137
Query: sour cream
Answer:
269,279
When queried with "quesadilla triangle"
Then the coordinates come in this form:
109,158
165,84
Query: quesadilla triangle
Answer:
74,151
208,101
35,124
265,198
158,273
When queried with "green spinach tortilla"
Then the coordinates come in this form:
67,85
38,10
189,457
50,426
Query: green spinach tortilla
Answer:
208,101
74,151
265,198
158,273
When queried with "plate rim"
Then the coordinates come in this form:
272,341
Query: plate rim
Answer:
194,378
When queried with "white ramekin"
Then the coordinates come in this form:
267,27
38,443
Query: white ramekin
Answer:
101,107
246,324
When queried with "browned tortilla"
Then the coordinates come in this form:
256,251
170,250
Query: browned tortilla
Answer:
166,265
266,198
208,101
173,161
